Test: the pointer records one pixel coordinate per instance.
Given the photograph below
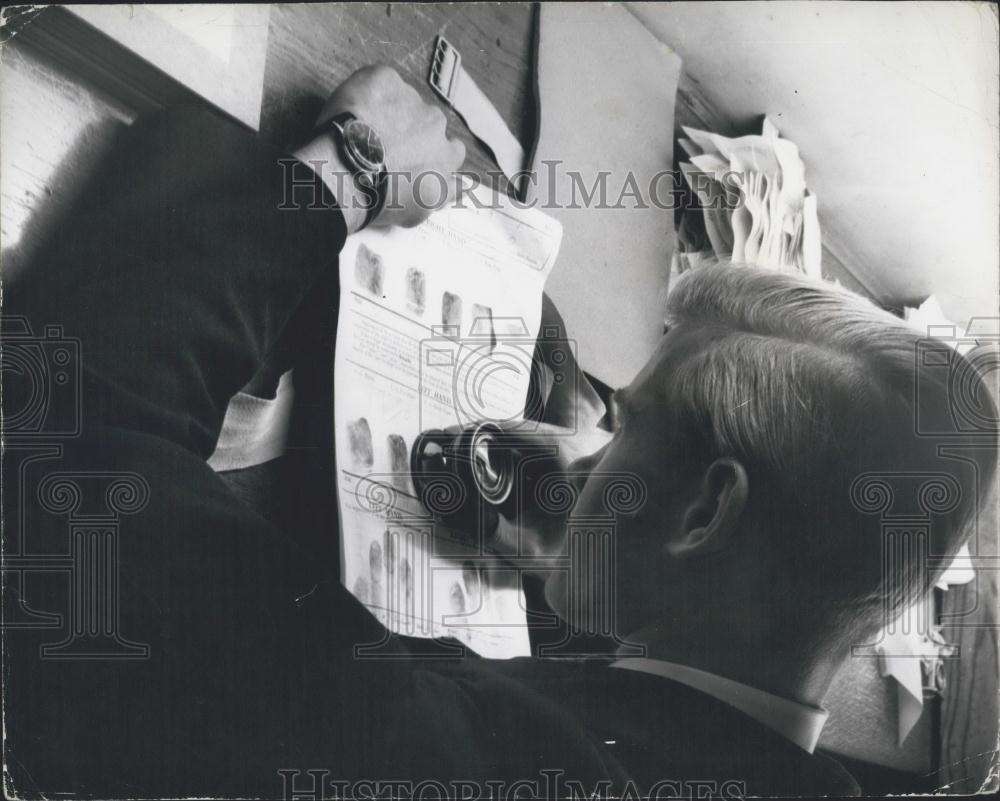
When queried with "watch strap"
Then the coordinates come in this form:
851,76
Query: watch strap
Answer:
375,193
450,80
332,125
377,197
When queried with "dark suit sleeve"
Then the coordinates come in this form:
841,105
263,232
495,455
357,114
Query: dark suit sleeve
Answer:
179,268
204,653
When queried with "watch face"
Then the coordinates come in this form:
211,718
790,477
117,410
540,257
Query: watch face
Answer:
364,145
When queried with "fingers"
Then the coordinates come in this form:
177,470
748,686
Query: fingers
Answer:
437,120
454,149
371,87
454,184
378,79
458,153
414,132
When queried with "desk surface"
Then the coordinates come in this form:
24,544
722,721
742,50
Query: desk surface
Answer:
55,127
312,48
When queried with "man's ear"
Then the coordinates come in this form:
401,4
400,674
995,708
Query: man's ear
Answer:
712,518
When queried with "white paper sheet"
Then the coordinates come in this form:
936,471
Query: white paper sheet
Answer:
437,328
775,223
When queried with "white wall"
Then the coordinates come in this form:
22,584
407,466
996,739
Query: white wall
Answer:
895,109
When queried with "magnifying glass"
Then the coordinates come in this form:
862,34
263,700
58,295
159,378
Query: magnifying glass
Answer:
475,464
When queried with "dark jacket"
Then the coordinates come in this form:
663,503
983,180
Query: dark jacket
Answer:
225,662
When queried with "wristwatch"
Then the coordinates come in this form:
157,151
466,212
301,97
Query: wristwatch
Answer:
364,154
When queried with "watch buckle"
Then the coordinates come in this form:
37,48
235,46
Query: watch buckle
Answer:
445,69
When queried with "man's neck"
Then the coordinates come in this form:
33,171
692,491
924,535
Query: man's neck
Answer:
786,674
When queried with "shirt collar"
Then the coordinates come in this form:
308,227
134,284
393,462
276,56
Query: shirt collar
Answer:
797,722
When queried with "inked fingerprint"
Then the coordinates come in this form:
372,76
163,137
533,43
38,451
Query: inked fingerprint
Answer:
406,574
416,287
359,437
375,568
456,598
361,589
399,461
375,557
451,311
482,325
391,552
369,270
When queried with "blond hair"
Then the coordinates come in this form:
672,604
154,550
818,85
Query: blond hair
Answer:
812,387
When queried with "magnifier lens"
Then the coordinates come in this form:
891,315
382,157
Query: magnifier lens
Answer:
492,467
431,458
428,457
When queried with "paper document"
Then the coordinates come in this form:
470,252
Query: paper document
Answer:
437,328
754,201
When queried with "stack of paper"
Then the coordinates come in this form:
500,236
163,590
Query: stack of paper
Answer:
754,203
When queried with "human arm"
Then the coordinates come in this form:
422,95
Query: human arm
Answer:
176,271
414,137
191,249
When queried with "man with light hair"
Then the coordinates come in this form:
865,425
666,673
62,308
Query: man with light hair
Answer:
745,577
767,399
767,403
